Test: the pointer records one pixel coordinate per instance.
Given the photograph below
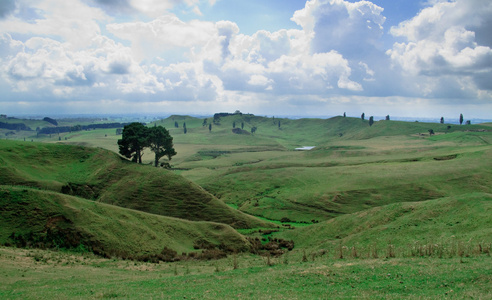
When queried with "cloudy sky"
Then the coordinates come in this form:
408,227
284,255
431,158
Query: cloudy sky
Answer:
408,58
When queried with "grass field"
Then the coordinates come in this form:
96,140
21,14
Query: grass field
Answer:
382,211
35,274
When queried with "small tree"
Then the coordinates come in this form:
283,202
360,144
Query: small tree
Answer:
234,124
253,129
387,117
210,127
442,120
363,116
176,124
217,119
371,120
431,132
204,122
279,124
468,122
242,125
344,115
461,119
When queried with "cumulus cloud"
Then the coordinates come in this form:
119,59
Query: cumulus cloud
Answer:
163,36
171,59
441,42
71,21
138,51
150,8
349,28
105,68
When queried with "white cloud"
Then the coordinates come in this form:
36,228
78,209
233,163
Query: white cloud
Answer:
260,80
346,27
441,43
138,51
71,21
152,8
164,34
9,47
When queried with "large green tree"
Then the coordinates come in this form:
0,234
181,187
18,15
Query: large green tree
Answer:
161,143
133,141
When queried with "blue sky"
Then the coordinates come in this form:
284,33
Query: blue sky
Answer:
427,58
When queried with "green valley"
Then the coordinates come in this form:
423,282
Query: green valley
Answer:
393,210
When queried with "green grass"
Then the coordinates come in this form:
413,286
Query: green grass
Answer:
324,183
100,175
31,274
444,223
66,221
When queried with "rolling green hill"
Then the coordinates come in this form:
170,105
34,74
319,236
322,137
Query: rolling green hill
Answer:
445,222
100,175
31,217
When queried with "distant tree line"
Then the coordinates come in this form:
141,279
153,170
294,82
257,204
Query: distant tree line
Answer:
15,126
61,129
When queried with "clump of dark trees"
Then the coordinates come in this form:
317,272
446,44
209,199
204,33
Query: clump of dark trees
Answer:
61,129
14,126
136,137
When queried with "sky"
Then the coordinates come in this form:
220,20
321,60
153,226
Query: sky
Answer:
406,58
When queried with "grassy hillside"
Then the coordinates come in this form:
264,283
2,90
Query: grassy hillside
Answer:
445,222
100,175
31,217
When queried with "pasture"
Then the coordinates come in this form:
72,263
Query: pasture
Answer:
381,211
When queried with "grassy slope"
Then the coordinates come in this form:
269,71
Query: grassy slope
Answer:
107,229
101,175
445,221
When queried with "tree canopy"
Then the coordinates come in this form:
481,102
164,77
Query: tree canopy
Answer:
133,141
160,142
136,137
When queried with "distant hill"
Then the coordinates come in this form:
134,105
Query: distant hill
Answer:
353,166
102,176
